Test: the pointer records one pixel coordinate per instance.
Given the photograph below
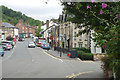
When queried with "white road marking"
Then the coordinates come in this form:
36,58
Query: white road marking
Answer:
61,60
49,54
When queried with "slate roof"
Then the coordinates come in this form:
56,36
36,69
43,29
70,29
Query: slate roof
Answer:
7,25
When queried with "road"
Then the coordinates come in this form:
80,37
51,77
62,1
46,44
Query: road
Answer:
24,62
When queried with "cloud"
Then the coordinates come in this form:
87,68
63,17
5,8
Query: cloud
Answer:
36,9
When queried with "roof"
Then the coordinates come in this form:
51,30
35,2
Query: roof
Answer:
51,24
25,24
7,25
30,26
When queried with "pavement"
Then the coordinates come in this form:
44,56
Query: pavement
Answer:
24,62
57,54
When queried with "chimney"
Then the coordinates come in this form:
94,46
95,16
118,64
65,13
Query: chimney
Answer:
47,23
41,24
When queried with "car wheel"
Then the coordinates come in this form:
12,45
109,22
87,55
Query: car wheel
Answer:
2,55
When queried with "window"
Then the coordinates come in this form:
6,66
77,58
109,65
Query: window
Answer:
23,31
80,26
22,27
75,45
94,49
26,31
19,24
75,36
85,45
80,37
86,37
80,45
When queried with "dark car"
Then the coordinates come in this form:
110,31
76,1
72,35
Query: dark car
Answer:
20,39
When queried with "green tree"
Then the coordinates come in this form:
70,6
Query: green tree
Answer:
38,32
11,16
104,19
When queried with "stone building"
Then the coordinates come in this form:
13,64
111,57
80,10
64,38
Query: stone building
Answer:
8,30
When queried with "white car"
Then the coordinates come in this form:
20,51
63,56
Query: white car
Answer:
31,44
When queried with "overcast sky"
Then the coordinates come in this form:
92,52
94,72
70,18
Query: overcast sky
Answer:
36,9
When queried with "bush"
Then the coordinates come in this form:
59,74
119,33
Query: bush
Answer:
83,49
79,53
84,56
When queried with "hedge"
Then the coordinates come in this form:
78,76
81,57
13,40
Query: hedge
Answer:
84,56
83,49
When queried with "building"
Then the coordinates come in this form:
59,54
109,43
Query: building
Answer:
49,32
95,49
80,40
33,30
8,30
22,28
69,32
25,30
30,34
0,33
65,35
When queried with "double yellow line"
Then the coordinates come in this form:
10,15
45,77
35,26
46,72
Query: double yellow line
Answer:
75,75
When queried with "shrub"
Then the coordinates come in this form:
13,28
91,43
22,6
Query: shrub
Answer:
83,49
79,53
87,56
84,56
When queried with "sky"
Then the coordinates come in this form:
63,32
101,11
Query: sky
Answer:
37,9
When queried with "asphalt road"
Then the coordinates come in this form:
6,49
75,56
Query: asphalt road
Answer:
24,62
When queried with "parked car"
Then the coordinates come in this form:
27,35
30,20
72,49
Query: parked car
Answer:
45,46
1,51
39,41
20,39
8,42
42,44
12,43
6,46
31,44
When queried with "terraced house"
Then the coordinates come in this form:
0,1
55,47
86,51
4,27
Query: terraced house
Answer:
25,30
8,30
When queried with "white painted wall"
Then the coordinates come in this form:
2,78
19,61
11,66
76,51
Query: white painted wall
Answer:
93,48
16,32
